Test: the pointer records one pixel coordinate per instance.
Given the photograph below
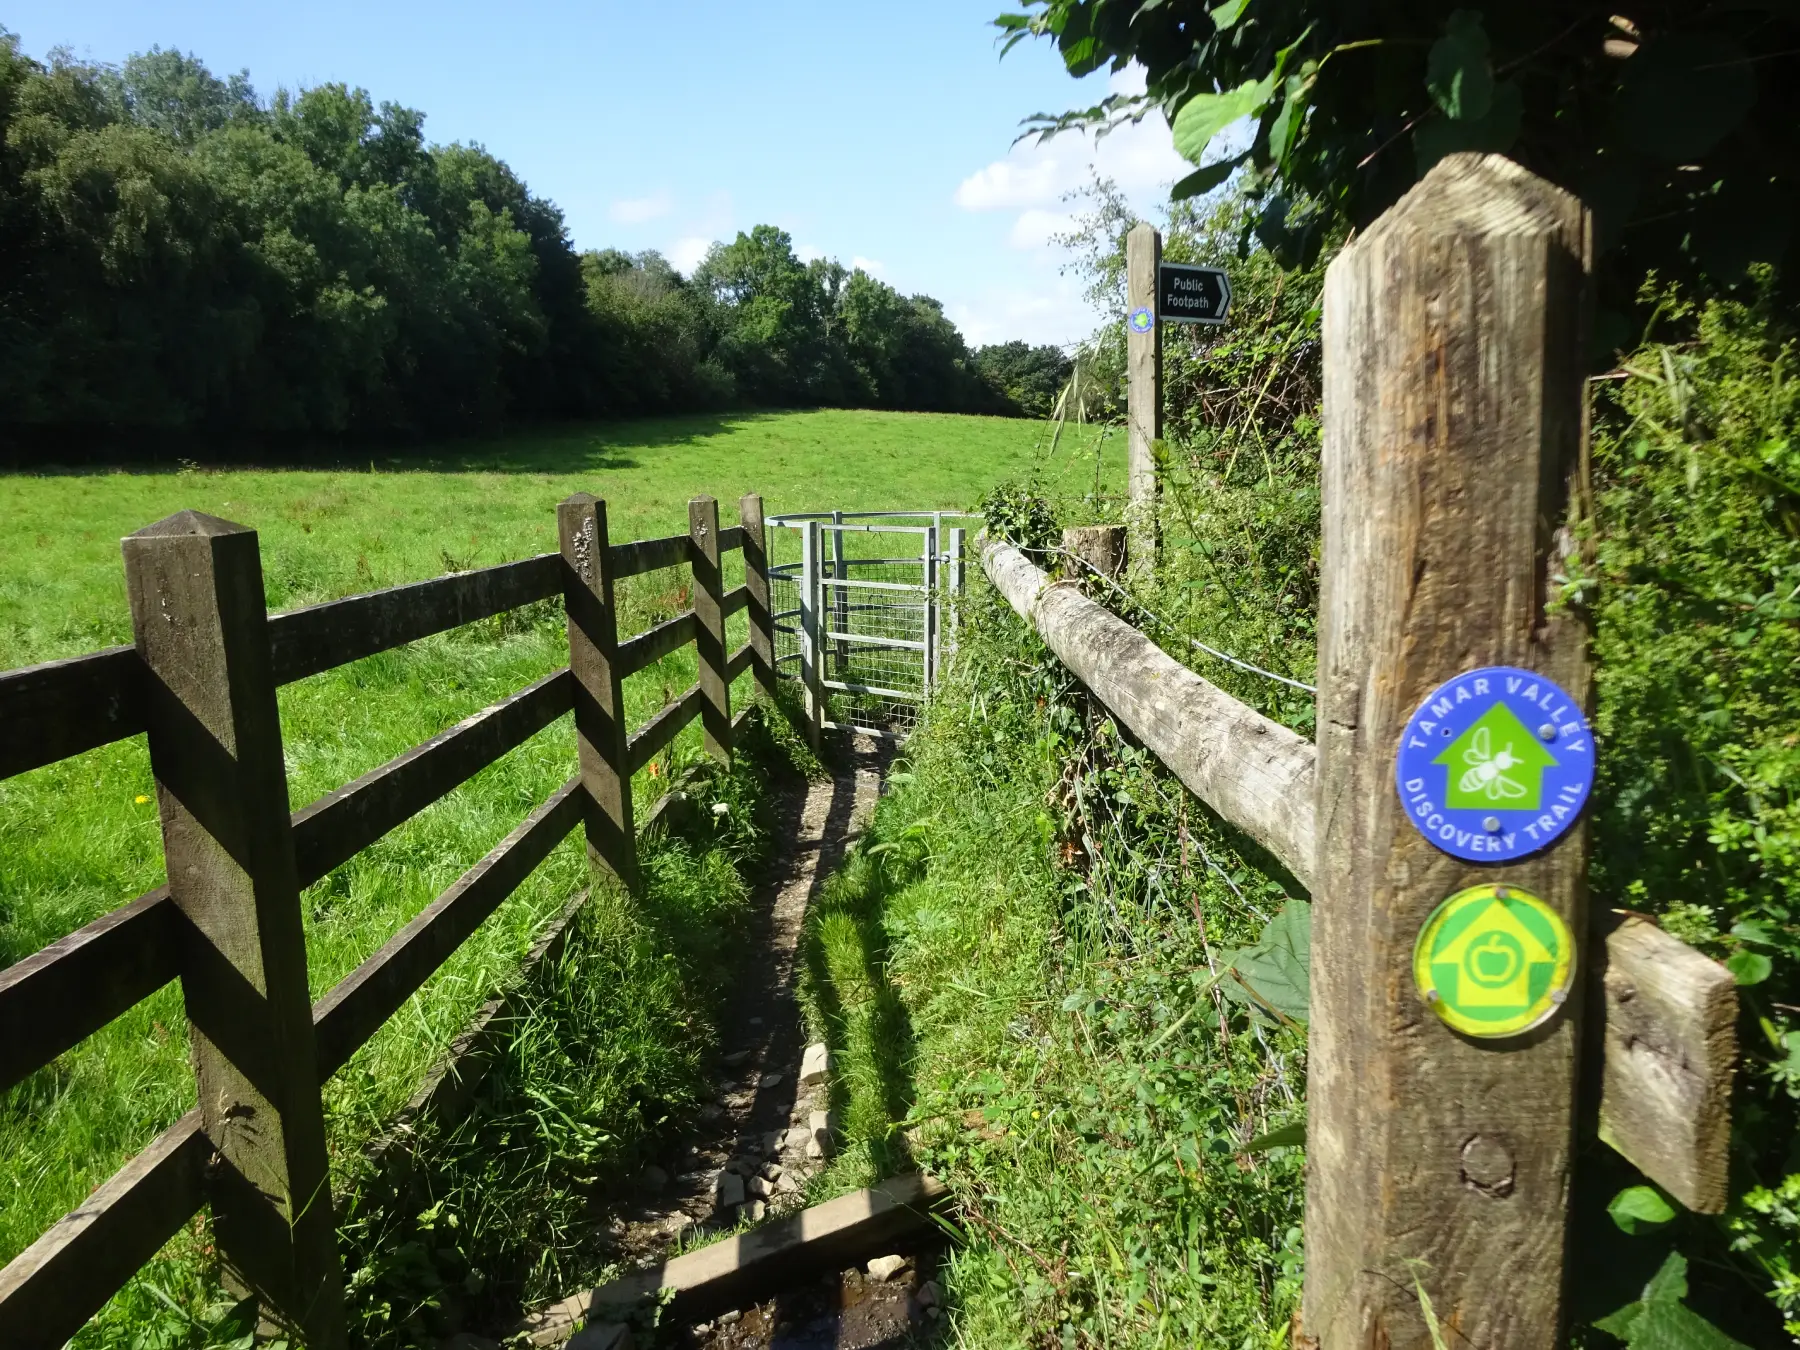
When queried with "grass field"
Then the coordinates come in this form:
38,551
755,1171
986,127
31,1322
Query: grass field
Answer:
81,837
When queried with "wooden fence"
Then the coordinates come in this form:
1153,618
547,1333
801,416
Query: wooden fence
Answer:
1453,451
200,681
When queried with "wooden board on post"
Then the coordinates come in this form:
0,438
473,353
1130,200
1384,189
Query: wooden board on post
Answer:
709,628
1144,404
600,729
196,590
756,583
1453,427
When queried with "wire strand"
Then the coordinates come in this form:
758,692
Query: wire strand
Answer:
1156,618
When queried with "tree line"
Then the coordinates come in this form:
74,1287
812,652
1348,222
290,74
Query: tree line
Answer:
184,256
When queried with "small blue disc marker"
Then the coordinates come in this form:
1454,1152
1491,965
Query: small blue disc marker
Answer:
1495,764
1141,320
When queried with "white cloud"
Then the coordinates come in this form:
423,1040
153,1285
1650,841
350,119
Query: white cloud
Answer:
685,255
1037,228
636,210
808,252
868,265
1051,312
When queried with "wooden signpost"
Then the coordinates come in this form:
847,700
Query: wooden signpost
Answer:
1143,362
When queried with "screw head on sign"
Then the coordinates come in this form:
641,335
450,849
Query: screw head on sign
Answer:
1491,824
1547,732
1500,892
1431,996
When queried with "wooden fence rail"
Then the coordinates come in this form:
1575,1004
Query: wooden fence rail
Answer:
200,680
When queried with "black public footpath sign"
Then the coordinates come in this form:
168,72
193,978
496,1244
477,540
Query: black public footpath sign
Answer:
1187,294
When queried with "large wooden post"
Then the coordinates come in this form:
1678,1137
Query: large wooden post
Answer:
709,627
600,726
1144,404
197,611
1453,429
756,584
812,655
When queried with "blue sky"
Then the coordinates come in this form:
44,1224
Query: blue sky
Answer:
867,132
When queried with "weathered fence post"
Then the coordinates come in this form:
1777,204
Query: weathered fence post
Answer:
600,727
756,583
1453,428
812,677
840,599
1144,404
709,627
197,612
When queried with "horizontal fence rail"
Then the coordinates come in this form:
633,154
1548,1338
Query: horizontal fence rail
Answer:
52,1000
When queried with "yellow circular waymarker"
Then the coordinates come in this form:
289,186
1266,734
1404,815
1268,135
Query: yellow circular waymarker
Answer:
1494,961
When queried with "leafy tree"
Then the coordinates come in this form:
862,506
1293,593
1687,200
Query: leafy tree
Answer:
1678,124
1028,378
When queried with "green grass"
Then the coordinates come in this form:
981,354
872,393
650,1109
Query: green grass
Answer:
1012,970
80,837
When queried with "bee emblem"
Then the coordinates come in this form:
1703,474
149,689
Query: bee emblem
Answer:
1487,770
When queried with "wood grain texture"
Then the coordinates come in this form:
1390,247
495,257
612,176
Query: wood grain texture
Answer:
648,555
357,1006
304,642
1099,547
1670,1039
341,824
739,661
1143,403
588,598
651,645
53,999
1453,425
709,627
663,728
756,592
1255,773
61,708
50,1290
196,588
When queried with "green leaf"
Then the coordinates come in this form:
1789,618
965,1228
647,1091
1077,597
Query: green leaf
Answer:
1205,115
1286,127
1639,1207
1436,137
1457,72
1675,1326
1669,1284
1227,14
1292,1135
1748,967
1750,930
1273,973
1205,180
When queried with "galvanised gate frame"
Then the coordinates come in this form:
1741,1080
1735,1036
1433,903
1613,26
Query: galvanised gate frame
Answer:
860,615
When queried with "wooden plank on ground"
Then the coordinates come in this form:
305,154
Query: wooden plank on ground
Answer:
303,642
343,823
648,555
61,708
355,1009
53,999
50,1290
748,1267
1670,1039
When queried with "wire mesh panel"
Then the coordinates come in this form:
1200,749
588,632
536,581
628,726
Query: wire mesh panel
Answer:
876,588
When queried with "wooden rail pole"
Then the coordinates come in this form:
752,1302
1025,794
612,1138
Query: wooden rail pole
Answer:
1453,431
600,727
709,625
197,612
756,583
1144,403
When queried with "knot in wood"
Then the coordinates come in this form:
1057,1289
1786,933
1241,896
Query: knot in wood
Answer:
1487,1166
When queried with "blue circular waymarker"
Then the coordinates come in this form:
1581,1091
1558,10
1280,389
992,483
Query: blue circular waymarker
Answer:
1495,764
1141,320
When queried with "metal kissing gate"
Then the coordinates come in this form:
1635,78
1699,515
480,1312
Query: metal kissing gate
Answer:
859,614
